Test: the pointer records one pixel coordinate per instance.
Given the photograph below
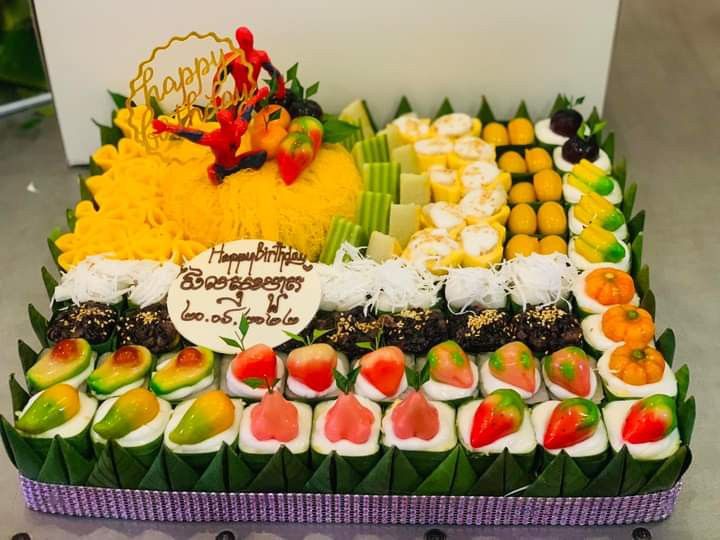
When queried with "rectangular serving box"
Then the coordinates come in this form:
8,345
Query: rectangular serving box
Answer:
185,506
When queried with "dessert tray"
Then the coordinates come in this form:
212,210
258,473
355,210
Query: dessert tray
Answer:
265,312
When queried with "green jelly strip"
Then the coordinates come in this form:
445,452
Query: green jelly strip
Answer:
341,230
371,150
374,212
382,177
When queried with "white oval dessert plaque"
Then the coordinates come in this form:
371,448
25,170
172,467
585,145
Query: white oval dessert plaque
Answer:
273,285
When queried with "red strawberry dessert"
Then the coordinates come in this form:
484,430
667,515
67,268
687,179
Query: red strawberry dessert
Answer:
382,374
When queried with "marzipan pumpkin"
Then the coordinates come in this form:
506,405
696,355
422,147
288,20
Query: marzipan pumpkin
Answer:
630,324
637,365
610,286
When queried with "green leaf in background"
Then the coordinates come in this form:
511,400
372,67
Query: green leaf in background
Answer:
53,470
642,280
647,302
119,100
214,478
485,114
637,224
442,479
609,146
492,480
291,74
619,172
666,345
594,118
94,169
85,193
169,472
669,472
28,357
336,130
312,90
403,107
562,478
559,104
239,474
346,477
54,252
271,477
21,66
609,481
634,476
522,111
49,281
321,481
109,134
295,472
682,376
465,476
377,481
156,477
23,456
686,419
39,324
70,219
77,466
445,108
405,479
18,395
629,200
116,468
636,249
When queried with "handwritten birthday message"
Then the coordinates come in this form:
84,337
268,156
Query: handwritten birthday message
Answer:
271,284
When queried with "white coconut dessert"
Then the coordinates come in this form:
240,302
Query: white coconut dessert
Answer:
512,367
251,372
573,425
201,425
636,371
498,422
453,375
598,289
647,427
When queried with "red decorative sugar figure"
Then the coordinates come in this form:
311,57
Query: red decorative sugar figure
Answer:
245,73
224,141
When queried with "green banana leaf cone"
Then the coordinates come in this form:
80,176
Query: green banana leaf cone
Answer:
505,475
144,453
362,464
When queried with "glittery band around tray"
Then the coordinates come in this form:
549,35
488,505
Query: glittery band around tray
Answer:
350,509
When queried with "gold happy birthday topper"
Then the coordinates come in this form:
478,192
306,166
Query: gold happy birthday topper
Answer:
191,92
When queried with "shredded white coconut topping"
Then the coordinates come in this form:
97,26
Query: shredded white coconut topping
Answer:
101,279
466,287
539,279
354,280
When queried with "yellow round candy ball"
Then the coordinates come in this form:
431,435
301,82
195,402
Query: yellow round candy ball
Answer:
512,162
553,244
522,219
548,185
521,131
522,192
537,159
521,244
495,133
552,219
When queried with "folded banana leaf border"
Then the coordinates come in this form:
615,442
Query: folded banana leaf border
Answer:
459,473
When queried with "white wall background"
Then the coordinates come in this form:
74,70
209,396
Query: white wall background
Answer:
376,49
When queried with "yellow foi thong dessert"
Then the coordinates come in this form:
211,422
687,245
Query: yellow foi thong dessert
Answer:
596,246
